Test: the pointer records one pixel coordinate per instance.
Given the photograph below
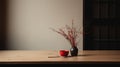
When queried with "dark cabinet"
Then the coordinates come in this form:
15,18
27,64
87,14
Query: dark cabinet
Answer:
102,24
3,24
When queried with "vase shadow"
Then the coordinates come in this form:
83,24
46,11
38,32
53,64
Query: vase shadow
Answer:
82,55
71,56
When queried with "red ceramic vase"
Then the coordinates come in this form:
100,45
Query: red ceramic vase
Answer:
64,53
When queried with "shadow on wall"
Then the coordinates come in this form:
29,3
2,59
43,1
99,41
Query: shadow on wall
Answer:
3,24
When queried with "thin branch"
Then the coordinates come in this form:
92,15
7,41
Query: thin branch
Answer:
71,33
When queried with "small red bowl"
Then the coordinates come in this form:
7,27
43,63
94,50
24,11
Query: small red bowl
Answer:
64,53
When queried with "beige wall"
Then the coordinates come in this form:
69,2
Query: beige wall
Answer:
30,20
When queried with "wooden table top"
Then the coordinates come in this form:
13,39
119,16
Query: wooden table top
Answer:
38,56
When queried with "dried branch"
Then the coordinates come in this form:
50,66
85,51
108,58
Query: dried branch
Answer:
71,33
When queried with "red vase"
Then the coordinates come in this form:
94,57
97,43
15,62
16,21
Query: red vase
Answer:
64,53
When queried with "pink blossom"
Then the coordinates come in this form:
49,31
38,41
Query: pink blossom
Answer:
71,33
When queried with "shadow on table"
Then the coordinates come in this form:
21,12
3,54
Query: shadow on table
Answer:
71,56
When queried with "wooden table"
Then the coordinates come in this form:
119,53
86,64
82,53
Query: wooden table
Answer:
38,57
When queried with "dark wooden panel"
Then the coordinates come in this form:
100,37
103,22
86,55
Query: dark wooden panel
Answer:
3,23
102,24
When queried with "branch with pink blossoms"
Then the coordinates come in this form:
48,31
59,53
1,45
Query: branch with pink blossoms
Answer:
70,33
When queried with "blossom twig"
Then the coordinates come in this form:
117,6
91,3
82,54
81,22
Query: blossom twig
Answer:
71,33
